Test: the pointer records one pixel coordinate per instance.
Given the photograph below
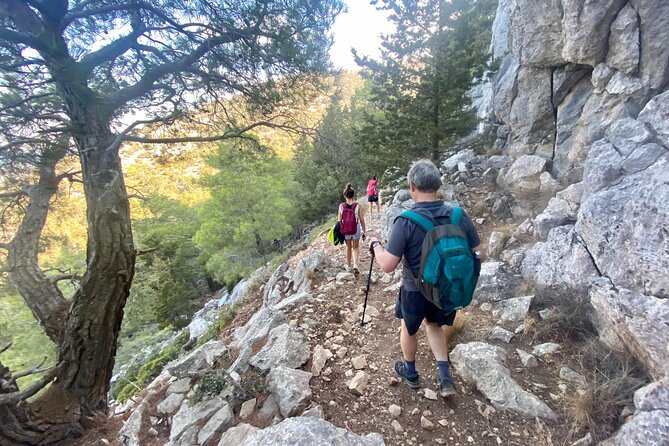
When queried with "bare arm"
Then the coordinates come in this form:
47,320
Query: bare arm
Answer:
387,261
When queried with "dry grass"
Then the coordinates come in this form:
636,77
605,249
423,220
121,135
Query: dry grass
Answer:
526,288
452,332
611,378
570,319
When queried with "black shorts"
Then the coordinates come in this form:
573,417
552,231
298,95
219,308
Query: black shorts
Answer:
372,198
413,308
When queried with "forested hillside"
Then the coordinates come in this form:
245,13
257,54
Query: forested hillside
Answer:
151,157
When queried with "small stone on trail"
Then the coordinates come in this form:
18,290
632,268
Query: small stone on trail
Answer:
247,409
358,383
546,349
359,362
526,359
394,410
426,424
415,411
342,352
430,394
470,439
443,422
329,334
397,426
486,306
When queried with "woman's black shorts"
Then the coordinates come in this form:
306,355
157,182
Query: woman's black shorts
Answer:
413,308
372,198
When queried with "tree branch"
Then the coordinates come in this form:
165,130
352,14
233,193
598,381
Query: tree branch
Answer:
140,252
36,369
15,397
227,135
111,51
145,84
60,277
18,193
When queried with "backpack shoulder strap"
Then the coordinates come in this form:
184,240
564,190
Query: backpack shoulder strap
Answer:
425,223
455,215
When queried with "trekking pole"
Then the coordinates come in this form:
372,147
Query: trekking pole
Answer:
369,280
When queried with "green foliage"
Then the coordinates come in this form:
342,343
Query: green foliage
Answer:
421,84
252,204
333,158
211,385
166,275
29,343
140,375
131,343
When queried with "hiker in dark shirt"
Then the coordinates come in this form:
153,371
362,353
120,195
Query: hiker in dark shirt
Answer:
411,308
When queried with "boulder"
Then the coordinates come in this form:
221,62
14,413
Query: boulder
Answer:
500,334
309,431
217,424
285,347
496,243
523,178
272,292
483,365
561,260
130,432
290,388
199,361
656,116
315,261
236,435
547,348
631,320
514,309
170,404
650,423
257,327
319,358
527,359
191,415
557,213
450,165
494,283
291,302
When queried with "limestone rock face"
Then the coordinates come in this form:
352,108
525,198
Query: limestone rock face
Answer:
536,32
640,333
309,431
561,260
483,365
624,42
285,346
586,29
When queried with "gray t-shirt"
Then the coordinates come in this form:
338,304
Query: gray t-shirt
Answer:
406,238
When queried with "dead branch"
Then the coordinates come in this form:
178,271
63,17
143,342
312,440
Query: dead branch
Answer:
36,369
140,252
60,277
5,347
15,397
139,197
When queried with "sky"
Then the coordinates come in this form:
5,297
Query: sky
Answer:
358,28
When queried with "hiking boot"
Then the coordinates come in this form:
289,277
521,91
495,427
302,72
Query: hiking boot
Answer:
356,271
400,369
446,388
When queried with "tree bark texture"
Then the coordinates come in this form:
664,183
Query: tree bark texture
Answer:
42,296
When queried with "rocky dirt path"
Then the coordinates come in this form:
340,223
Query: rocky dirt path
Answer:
333,323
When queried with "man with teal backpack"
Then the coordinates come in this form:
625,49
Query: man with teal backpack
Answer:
439,245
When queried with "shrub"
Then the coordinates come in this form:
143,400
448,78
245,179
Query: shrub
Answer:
570,319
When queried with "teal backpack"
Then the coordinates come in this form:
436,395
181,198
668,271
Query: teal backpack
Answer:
447,275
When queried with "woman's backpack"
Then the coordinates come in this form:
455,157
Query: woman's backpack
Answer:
371,189
448,270
349,221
